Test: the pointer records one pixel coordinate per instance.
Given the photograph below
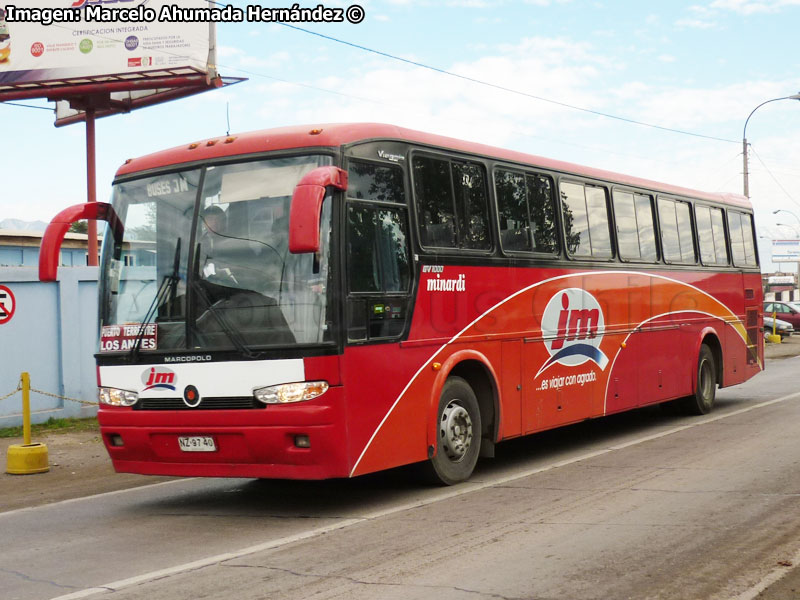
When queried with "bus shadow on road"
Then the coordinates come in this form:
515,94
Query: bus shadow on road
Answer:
345,498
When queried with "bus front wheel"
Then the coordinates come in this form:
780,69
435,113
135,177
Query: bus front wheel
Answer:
702,401
458,434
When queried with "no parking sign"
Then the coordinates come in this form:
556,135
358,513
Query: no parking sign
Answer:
7,304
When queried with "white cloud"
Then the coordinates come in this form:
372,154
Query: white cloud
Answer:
696,23
229,52
578,72
701,17
749,7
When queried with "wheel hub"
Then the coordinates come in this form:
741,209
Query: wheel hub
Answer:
455,431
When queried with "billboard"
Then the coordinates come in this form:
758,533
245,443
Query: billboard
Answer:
68,41
785,251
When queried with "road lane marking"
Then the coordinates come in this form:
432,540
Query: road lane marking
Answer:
207,562
769,579
16,511
460,490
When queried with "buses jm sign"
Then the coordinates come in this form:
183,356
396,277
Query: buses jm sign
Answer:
785,251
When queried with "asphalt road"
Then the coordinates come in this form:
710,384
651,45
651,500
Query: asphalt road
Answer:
641,505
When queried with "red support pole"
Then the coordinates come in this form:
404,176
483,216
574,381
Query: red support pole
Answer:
91,183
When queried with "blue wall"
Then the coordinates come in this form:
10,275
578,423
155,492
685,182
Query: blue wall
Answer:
28,256
52,336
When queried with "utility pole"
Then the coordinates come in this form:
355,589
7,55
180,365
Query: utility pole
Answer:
744,139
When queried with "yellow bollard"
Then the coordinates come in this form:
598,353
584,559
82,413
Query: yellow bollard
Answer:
27,458
774,337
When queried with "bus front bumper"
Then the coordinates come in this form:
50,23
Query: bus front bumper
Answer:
303,441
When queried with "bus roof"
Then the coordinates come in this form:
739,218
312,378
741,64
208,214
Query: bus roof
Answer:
337,134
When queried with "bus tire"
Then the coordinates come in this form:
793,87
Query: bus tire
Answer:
458,434
702,401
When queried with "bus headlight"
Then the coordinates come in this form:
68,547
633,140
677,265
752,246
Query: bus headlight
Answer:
115,397
291,392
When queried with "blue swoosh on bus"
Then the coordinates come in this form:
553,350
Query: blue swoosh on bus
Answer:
165,386
587,350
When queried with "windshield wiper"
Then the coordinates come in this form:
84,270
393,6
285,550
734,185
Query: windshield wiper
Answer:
167,289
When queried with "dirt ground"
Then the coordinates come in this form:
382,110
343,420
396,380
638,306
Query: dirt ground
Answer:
79,465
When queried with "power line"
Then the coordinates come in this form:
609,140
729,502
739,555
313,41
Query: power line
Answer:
778,183
455,75
476,81
507,89
26,105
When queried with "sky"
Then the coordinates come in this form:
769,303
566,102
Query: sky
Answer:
692,71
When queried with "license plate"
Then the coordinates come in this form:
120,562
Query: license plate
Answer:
197,443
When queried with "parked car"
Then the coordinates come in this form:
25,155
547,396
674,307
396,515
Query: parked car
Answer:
783,311
782,328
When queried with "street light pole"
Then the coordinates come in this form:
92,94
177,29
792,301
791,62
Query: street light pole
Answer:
744,139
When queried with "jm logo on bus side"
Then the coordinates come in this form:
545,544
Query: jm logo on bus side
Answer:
159,378
573,327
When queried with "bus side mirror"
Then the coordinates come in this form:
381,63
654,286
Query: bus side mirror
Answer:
58,227
304,214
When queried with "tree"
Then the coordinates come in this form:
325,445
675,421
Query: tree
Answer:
79,227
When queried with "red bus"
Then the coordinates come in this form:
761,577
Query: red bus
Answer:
329,302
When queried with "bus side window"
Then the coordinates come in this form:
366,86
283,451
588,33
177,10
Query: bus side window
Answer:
527,215
435,207
541,205
472,205
377,249
635,232
720,243
368,181
452,204
627,234
711,235
742,242
597,212
379,271
646,227
512,206
677,233
576,223
586,224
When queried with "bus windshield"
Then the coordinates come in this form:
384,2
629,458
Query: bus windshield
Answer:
205,262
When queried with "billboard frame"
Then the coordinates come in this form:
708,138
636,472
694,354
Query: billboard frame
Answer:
96,96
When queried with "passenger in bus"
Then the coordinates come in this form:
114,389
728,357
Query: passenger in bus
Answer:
213,225
246,248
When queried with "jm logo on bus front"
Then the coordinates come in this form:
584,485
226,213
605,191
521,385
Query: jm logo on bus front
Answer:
572,326
159,378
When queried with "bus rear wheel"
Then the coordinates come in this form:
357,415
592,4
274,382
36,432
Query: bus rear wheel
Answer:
702,401
458,434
